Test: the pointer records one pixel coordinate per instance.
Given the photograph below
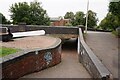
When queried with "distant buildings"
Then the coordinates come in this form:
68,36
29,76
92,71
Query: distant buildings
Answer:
58,21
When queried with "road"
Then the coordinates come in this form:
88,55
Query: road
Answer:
105,46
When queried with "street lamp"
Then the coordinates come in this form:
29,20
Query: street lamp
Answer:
87,16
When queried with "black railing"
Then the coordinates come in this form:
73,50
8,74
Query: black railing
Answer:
5,34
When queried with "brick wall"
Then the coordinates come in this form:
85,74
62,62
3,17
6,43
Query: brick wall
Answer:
61,22
48,29
30,62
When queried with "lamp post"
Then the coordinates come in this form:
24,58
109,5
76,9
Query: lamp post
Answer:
87,17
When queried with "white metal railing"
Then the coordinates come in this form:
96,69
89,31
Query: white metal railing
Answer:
29,33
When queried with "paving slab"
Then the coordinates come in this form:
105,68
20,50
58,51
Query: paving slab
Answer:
32,42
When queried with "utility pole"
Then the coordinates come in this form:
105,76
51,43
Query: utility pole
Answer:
87,17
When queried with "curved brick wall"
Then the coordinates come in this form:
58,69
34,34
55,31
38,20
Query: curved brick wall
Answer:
31,61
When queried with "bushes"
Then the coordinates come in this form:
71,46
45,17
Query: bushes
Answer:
116,33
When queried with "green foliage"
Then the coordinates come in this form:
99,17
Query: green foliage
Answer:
3,20
115,33
110,22
92,19
114,8
32,14
6,51
79,18
69,15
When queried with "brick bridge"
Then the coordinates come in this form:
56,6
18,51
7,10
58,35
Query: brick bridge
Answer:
78,61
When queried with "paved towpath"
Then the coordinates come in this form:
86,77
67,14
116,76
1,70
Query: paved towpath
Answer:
68,68
105,46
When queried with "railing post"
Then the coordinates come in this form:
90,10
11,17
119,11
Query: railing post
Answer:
82,28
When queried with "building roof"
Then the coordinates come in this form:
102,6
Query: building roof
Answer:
55,19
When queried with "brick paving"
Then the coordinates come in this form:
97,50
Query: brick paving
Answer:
31,42
105,46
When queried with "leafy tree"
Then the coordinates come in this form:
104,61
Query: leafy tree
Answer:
31,13
103,24
3,20
114,8
79,18
69,15
110,22
38,14
92,19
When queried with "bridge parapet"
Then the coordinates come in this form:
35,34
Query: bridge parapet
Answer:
48,29
89,60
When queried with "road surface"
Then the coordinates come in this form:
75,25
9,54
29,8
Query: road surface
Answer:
105,46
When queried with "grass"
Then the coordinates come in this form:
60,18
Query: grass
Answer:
115,33
6,51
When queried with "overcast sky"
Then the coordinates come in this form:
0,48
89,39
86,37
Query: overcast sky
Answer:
57,8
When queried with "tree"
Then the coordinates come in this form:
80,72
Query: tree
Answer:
112,19
31,13
92,19
3,20
79,18
69,15
110,22
114,8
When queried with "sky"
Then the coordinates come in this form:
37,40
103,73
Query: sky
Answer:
56,8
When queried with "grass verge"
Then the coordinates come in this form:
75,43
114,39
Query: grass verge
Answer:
115,33
6,51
